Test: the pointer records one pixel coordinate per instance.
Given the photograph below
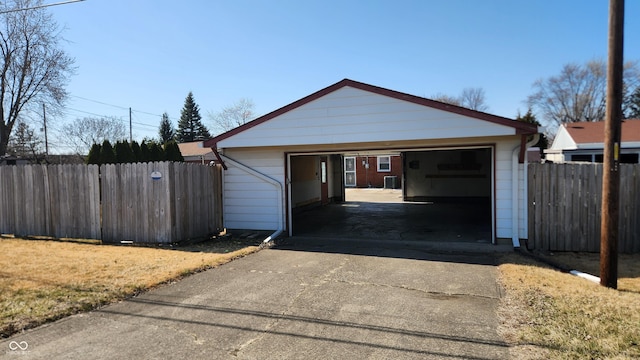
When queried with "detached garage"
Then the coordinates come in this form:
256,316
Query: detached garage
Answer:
299,157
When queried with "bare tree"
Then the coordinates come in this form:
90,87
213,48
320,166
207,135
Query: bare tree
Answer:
471,98
578,92
447,99
83,133
34,69
234,115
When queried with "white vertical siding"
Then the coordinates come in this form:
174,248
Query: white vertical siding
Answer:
251,202
504,204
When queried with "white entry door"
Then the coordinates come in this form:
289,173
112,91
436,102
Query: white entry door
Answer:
350,171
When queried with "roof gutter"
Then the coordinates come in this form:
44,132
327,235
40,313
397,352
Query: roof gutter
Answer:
277,184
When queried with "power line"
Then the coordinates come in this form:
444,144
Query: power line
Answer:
116,106
146,113
40,6
108,116
87,112
101,102
136,117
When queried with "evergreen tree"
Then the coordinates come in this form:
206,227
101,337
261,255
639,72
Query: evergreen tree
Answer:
543,143
190,127
172,152
633,105
136,152
145,152
166,131
123,152
156,152
94,155
107,155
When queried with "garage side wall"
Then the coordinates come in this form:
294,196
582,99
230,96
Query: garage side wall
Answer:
503,185
250,202
446,173
305,180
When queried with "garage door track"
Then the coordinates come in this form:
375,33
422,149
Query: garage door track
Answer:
284,303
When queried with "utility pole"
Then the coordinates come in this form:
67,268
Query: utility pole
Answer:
130,131
611,167
44,120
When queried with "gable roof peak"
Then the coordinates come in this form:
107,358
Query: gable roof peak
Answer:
521,127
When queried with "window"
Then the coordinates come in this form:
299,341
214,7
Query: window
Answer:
384,163
350,171
581,158
629,158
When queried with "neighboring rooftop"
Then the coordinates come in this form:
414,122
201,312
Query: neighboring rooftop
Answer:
195,148
593,132
196,152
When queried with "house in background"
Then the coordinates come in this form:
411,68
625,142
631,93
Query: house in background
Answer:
42,159
584,141
375,171
196,152
13,160
295,157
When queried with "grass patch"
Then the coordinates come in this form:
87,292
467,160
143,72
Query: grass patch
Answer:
46,280
628,267
549,314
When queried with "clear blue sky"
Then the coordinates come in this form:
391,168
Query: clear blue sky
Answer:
148,54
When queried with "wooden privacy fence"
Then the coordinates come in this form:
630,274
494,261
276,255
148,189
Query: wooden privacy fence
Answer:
160,202
50,200
179,201
565,206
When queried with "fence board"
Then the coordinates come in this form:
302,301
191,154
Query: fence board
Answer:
111,202
176,207
41,200
565,207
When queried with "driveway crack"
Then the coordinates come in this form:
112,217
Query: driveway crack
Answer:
323,279
430,293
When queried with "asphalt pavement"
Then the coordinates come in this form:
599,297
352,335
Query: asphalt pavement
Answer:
302,299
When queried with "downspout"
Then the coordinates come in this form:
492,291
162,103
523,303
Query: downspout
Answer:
269,180
515,231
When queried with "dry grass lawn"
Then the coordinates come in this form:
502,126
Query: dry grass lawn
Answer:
46,280
547,314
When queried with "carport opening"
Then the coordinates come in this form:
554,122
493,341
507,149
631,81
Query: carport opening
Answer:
442,195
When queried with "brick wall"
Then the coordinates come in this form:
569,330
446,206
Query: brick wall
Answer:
372,177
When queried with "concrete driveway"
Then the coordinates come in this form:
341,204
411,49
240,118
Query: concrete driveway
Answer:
382,214
295,301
